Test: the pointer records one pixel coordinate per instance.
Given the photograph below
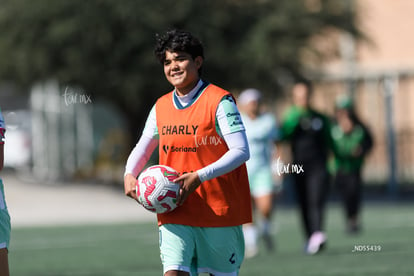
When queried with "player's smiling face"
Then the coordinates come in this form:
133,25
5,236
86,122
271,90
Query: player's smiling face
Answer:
181,70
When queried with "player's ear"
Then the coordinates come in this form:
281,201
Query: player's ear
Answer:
199,61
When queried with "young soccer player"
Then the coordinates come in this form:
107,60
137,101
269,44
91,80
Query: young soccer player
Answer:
352,141
262,134
200,134
308,132
4,214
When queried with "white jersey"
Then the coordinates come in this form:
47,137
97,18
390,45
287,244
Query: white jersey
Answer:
261,133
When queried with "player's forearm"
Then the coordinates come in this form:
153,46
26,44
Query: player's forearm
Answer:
140,155
238,154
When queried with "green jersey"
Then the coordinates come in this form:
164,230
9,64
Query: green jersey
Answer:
308,132
349,148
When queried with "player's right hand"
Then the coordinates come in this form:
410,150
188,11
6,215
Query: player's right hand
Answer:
130,186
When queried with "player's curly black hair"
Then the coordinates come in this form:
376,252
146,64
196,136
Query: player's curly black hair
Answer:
178,40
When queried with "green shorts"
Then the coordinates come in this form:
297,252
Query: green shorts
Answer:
261,182
5,227
215,250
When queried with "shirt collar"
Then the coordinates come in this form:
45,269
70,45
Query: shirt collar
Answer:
183,101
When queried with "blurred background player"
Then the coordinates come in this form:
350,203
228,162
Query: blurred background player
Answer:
4,214
352,141
262,134
307,130
200,134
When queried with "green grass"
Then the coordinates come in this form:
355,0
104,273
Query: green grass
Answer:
132,249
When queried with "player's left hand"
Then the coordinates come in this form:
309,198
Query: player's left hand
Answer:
189,183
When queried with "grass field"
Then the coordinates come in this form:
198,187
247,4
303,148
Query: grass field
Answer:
132,249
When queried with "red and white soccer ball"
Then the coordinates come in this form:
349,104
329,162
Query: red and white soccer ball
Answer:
155,189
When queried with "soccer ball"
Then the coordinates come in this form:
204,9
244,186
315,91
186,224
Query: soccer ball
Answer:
155,189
